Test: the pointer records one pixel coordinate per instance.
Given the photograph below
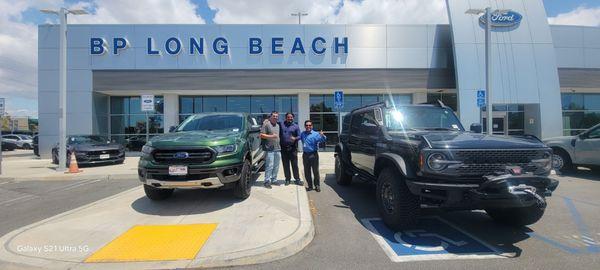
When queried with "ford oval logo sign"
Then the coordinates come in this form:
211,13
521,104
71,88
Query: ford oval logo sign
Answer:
181,155
506,19
147,101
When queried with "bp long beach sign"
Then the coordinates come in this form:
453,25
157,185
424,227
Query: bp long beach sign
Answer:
220,46
505,19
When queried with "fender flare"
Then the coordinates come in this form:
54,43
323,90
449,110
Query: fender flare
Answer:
398,161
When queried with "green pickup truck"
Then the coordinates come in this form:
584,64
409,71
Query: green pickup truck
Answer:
206,151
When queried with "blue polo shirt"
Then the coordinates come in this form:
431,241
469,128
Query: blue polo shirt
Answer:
310,141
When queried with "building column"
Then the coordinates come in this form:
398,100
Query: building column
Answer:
303,112
171,111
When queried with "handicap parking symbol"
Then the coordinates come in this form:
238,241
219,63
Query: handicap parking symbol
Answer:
435,239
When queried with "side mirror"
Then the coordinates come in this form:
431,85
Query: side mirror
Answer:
255,128
476,128
172,128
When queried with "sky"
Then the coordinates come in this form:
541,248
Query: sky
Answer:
19,20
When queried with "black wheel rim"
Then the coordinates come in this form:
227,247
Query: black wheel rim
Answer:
387,197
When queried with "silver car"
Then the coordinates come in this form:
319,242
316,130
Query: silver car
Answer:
571,151
22,141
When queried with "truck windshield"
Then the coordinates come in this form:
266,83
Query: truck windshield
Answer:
212,122
421,118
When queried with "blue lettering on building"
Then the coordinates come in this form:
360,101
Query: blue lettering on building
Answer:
118,44
150,51
255,45
298,46
277,45
198,45
169,45
97,46
220,46
320,49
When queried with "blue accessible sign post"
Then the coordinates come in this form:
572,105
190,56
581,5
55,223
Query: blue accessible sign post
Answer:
480,98
338,98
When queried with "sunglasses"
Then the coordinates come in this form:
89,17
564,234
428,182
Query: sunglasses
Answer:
308,125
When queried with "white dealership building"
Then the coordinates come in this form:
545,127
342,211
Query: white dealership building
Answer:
545,78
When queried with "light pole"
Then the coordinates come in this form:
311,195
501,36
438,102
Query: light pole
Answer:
488,64
62,81
299,14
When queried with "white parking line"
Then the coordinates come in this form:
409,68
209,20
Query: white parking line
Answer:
81,184
8,202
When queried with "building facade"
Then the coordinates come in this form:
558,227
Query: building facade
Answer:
546,78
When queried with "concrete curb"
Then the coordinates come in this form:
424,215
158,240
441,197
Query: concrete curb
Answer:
283,248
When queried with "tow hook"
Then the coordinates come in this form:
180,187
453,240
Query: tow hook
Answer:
523,189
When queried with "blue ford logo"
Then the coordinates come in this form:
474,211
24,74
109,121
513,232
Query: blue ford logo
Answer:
147,101
181,155
506,19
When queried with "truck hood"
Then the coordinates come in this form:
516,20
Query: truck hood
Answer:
195,138
560,139
467,140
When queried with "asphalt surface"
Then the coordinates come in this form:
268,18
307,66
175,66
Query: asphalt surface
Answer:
343,242
555,242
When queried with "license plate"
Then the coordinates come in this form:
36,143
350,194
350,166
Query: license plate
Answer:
178,170
105,156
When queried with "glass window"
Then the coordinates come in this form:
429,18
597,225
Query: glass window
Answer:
592,102
516,120
572,101
118,124
238,104
263,104
590,119
213,122
284,104
594,134
351,102
330,122
214,104
369,99
182,117
137,124
159,103
401,99
186,105
317,120
328,103
316,103
135,105
573,120
155,124
119,105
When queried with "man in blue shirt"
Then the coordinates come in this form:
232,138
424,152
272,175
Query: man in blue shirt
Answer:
289,135
310,156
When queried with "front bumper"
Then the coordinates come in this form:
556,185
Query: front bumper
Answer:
197,178
501,191
92,160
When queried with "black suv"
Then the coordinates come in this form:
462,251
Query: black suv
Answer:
421,155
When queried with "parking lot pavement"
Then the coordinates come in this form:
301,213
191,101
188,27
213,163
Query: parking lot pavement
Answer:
567,237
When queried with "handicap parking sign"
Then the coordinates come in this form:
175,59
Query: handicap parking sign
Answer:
434,239
480,98
338,99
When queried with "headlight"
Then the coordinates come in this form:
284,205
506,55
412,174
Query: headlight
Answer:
147,150
436,162
225,149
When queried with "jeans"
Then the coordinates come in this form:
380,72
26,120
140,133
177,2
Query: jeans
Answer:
272,166
287,158
311,163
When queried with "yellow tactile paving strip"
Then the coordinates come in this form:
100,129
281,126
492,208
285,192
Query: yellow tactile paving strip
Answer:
155,243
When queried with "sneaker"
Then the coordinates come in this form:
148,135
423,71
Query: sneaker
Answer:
309,188
287,182
318,189
275,182
268,185
298,182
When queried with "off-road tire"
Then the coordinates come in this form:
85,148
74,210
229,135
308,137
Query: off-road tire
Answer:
403,210
242,187
521,216
342,177
157,194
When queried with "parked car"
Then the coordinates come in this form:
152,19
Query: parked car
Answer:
571,151
36,149
421,155
8,145
22,141
91,149
211,150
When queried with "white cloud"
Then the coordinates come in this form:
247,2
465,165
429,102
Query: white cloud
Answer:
132,12
579,16
331,11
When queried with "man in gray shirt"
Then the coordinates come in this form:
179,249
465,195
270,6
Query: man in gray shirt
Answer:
269,133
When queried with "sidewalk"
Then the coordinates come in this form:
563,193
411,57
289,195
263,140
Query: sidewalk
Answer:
24,166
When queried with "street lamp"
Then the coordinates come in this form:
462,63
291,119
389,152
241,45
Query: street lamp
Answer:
299,14
488,52
62,81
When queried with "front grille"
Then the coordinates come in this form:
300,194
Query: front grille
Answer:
482,162
195,156
93,155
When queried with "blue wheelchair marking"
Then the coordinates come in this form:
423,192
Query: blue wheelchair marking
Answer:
583,229
434,239
554,243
